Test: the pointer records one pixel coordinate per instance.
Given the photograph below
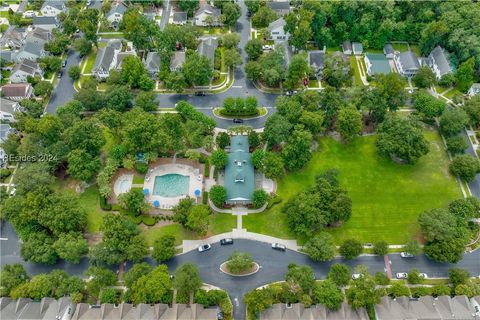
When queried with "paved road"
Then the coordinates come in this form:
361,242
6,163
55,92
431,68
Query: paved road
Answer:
274,264
64,90
475,184
242,87
165,14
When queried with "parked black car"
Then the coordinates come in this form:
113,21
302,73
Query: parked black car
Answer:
200,93
237,120
226,241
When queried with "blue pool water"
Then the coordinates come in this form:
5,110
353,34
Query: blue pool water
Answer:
171,185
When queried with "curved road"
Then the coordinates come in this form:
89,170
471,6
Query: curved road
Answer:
273,264
241,87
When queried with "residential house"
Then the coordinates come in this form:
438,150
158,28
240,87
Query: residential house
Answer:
106,59
177,60
47,23
316,60
297,311
8,109
179,18
347,47
388,51
127,311
357,48
207,48
17,91
45,309
426,307
94,4
474,90
52,8
239,172
5,131
276,30
407,63
3,158
23,70
33,48
205,13
115,15
14,38
282,8
376,63
439,62
7,56
152,63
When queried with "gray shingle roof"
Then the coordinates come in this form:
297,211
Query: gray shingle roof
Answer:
276,24
45,309
388,49
357,47
33,48
346,45
279,5
38,21
152,62
209,9
26,66
409,60
58,4
9,106
105,55
438,57
316,59
118,8
426,307
177,59
297,311
179,17
6,55
207,48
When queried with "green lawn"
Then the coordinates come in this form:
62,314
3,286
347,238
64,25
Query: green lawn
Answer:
387,197
90,202
356,72
90,62
402,47
219,223
3,14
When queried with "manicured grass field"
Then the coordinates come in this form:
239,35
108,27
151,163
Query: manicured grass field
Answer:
90,61
387,197
219,223
356,72
90,202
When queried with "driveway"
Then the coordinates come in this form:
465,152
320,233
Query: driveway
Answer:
64,89
273,264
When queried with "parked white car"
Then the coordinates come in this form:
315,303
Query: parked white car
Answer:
29,14
423,275
406,255
266,47
356,276
204,247
402,275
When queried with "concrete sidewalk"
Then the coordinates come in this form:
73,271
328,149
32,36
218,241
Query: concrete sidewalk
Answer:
189,245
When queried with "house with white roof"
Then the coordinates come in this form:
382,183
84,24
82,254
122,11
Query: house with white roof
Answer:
53,8
357,48
276,30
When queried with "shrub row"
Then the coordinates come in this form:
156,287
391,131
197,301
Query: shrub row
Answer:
239,113
273,200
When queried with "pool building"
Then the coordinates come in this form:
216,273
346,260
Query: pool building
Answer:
239,173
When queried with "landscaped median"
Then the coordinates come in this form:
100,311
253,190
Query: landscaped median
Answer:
240,264
240,108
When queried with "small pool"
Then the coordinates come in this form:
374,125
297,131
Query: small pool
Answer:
171,185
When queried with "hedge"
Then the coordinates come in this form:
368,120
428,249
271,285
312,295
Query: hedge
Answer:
148,220
205,197
273,201
104,204
239,113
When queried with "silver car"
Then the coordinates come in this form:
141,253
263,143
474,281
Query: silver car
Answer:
406,255
204,247
279,246
402,275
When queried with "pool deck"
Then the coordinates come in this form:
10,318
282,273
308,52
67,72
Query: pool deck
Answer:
196,182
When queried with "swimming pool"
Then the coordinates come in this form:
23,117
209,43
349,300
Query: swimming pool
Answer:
171,185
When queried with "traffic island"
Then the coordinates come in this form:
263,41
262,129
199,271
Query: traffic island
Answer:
240,264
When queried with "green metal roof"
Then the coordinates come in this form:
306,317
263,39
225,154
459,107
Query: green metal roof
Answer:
239,173
379,63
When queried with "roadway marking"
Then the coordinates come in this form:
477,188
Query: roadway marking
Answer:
3,239
237,86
